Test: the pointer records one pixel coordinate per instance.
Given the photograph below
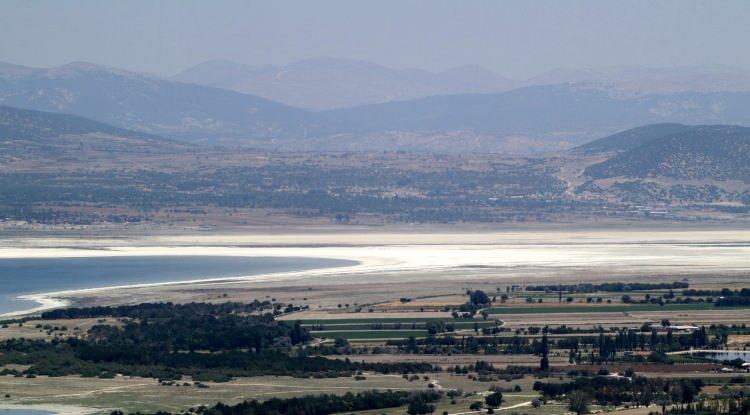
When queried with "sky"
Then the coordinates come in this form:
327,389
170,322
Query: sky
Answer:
518,39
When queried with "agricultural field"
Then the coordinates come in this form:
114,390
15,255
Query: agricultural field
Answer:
389,328
461,341
625,308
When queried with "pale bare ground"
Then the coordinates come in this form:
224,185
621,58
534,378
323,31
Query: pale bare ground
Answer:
643,410
140,394
438,263
30,330
738,340
411,264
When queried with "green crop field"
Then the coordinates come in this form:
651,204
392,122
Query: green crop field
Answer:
599,308
382,320
370,334
330,325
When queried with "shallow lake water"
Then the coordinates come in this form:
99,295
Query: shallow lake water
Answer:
20,276
728,355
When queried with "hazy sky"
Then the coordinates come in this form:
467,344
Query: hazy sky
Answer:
515,38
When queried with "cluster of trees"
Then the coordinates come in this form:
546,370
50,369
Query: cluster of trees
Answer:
470,345
635,391
167,341
73,357
732,404
724,292
487,371
606,344
609,287
150,331
626,339
157,310
733,301
419,402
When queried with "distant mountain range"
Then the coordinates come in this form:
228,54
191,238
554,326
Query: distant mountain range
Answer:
522,120
328,83
540,110
150,104
640,80
557,114
717,152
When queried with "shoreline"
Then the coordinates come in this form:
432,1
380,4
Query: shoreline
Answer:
51,300
378,254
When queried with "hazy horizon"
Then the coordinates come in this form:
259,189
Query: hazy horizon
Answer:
514,39
707,66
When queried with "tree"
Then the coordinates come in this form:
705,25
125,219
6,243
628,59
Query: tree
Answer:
663,400
544,364
494,400
479,297
418,407
545,345
578,402
475,406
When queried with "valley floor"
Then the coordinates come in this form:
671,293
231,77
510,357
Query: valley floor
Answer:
432,267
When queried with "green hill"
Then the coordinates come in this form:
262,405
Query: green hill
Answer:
718,152
17,123
632,138
26,134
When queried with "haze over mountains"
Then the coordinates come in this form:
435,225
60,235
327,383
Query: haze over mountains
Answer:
328,83
696,169
148,103
527,119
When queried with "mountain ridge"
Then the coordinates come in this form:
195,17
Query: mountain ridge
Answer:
547,118
150,104
309,83
577,110
330,83
632,138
